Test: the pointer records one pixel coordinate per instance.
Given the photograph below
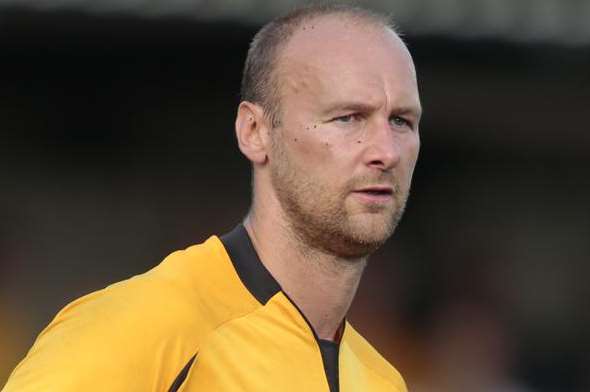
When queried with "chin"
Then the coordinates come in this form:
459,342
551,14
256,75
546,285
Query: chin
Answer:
364,236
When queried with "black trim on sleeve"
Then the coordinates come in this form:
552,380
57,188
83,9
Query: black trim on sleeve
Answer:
182,375
250,269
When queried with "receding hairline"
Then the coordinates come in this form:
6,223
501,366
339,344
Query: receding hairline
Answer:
360,17
273,39
290,49
357,21
368,22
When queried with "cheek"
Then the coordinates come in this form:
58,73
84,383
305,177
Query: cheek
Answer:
414,148
318,150
412,153
310,147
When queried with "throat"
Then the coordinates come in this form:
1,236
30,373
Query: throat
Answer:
321,285
323,290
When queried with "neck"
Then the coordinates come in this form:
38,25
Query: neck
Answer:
322,285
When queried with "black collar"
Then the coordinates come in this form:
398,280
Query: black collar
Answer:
247,264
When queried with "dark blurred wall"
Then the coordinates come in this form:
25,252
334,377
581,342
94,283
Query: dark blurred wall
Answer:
117,147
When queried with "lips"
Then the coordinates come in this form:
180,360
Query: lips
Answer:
379,190
377,194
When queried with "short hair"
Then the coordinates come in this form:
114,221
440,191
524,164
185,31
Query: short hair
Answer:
260,82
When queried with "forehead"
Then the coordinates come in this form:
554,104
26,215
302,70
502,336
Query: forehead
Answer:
346,56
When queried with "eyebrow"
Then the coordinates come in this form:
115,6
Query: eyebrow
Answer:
354,106
413,110
349,106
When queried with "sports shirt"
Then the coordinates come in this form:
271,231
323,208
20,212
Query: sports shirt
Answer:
208,318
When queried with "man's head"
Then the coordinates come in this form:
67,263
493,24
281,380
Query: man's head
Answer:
329,119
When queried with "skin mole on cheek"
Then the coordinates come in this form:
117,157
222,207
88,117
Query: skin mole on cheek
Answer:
359,141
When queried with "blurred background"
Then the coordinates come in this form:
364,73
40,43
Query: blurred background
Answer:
117,147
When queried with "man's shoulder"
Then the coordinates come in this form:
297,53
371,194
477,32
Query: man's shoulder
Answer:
140,331
371,359
177,292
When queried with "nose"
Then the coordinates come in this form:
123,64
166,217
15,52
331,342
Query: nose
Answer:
383,147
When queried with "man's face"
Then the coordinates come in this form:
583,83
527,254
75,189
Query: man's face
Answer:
341,161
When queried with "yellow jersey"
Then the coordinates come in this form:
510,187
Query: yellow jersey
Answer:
208,318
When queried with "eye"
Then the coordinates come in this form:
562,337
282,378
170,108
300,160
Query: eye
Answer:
399,121
348,118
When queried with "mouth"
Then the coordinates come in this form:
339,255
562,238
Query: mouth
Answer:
377,191
375,194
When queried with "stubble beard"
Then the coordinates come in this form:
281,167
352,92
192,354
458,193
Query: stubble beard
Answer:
318,218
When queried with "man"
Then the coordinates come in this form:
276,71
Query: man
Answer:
329,120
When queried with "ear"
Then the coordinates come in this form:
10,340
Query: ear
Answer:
252,132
